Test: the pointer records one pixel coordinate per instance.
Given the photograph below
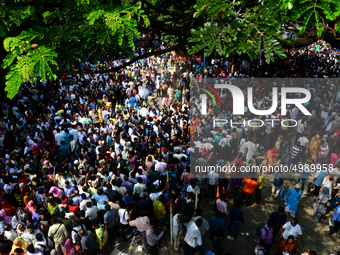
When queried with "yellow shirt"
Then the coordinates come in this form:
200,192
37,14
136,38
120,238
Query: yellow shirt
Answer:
158,209
261,179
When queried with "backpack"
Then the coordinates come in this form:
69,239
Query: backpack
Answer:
78,238
47,249
259,228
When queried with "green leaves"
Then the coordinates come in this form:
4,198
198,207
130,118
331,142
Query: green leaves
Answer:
32,60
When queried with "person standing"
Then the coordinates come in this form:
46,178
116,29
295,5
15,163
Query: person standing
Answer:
212,180
236,218
334,222
318,179
304,142
248,190
291,228
278,183
110,220
141,223
152,237
279,218
258,190
87,241
58,233
304,179
295,154
267,235
204,228
292,198
193,237
176,230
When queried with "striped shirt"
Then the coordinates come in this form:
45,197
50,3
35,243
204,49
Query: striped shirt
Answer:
296,150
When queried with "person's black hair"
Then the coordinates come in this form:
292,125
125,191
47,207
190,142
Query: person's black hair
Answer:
271,223
312,252
54,220
262,243
295,220
153,222
100,192
291,237
30,248
82,213
29,226
199,212
281,209
199,222
62,214
39,237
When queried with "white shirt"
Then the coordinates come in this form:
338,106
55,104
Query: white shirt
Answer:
123,216
11,235
193,233
154,196
92,212
213,177
290,230
175,225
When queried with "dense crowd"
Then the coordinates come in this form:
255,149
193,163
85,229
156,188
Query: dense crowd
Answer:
85,158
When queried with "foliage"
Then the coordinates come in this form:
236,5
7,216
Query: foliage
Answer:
42,38
234,26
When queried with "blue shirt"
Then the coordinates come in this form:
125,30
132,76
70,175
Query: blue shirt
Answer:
127,199
101,199
278,178
110,218
66,138
64,152
319,177
236,214
336,214
132,101
77,200
128,185
293,199
69,191
216,223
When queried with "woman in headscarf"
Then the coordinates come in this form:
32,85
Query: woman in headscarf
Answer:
285,157
8,208
314,146
323,153
71,249
278,146
29,207
320,204
6,219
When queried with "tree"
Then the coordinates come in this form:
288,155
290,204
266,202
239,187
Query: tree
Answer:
45,38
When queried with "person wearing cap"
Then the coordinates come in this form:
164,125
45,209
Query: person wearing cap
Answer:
292,198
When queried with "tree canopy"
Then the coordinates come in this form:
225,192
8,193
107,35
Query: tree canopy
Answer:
42,37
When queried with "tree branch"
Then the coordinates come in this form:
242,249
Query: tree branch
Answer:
149,54
170,30
167,12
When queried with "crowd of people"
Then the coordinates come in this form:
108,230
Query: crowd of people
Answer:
88,160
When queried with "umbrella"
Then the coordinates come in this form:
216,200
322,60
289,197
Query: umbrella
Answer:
85,120
144,93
